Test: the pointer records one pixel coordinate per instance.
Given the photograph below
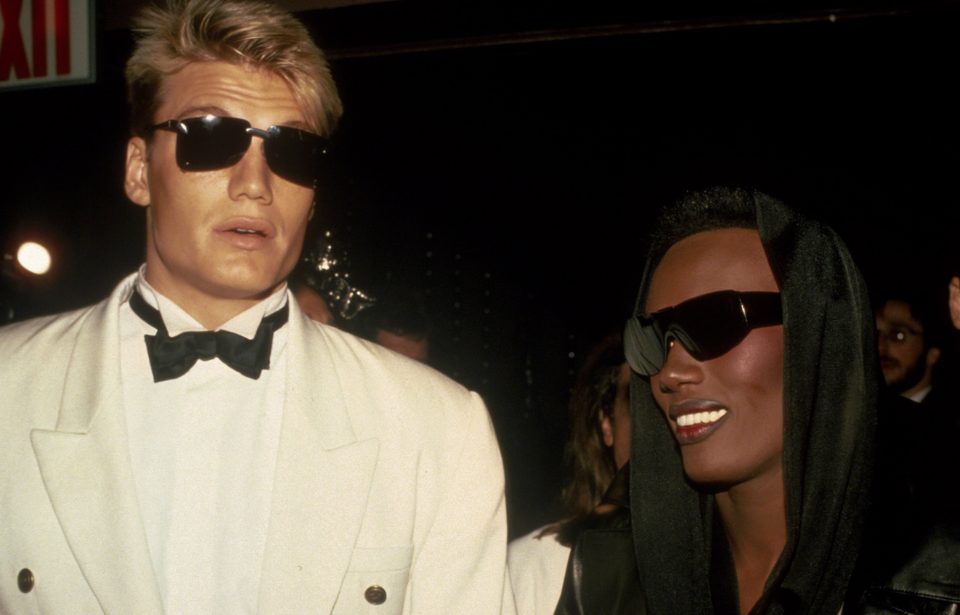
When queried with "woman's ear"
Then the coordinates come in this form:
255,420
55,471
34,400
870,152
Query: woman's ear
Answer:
606,428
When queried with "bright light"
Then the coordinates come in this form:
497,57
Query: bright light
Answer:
33,257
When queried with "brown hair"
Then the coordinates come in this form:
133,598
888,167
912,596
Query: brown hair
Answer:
590,463
247,32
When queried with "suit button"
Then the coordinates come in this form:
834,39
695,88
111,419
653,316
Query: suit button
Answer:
25,580
375,594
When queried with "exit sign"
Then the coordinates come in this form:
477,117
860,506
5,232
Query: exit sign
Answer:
46,42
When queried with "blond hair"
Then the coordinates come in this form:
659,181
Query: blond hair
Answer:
245,32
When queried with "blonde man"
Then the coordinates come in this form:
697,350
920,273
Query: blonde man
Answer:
194,443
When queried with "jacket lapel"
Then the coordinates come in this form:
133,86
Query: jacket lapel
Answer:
322,481
86,469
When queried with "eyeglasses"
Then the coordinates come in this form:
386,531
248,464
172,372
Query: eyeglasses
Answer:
708,326
897,335
212,142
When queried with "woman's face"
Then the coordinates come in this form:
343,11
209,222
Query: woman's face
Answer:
726,413
615,427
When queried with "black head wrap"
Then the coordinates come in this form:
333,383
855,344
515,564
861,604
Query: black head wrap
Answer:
830,386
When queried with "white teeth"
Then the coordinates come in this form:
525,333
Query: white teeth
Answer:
701,418
245,231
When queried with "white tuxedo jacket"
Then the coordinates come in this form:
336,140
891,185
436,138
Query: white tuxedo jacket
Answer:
388,483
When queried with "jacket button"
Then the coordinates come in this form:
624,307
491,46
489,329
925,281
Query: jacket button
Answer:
25,580
375,594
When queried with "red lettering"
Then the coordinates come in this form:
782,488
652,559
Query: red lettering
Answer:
39,18
61,14
12,54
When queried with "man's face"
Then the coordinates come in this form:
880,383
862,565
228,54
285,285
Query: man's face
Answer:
229,234
900,342
615,428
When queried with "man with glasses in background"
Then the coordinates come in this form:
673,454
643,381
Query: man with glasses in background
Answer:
194,443
909,344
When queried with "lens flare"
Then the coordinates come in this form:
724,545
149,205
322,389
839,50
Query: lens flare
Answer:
33,257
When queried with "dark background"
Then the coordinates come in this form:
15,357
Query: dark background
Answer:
507,160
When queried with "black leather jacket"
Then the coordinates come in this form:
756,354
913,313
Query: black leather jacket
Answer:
922,574
602,570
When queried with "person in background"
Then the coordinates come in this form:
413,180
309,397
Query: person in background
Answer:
598,446
398,321
910,344
312,303
195,443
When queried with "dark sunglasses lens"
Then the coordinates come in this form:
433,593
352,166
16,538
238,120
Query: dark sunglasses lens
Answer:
211,142
294,154
643,346
710,326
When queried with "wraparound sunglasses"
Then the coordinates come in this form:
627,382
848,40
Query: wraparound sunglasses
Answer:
213,142
708,326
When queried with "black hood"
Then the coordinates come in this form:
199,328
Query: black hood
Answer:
830,386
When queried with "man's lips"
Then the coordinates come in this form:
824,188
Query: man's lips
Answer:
247,226
246,233
696,419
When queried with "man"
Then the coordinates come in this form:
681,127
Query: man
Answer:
909,345
149,465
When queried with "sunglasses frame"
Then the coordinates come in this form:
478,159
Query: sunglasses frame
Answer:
282,163
694,323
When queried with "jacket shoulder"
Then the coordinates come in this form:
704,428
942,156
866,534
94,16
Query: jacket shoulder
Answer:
41,336
388,391
927,579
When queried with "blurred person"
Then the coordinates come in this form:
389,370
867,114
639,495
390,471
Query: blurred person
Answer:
598,446
909,344
399,321
195,443
754,401
312,304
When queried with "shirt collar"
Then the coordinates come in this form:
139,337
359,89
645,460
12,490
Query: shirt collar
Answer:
920,395
178,321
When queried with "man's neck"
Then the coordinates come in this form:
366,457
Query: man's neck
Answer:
209,309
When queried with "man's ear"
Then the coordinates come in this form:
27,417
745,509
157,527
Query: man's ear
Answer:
933,355
135,182
955,301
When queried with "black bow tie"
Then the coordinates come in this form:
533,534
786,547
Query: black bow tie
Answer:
172,357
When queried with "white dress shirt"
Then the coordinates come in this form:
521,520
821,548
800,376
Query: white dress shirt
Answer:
203,448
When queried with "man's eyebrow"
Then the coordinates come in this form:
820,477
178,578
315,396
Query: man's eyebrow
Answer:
201,110
299,124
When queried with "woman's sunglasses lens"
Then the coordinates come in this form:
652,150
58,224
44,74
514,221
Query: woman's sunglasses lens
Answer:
643,346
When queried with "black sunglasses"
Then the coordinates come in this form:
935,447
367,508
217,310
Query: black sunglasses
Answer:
708,326
213,142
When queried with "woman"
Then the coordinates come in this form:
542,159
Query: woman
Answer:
754,418
598,446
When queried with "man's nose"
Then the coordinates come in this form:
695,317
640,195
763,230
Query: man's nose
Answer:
251,177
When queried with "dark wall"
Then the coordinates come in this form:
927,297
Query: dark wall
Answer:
513,183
